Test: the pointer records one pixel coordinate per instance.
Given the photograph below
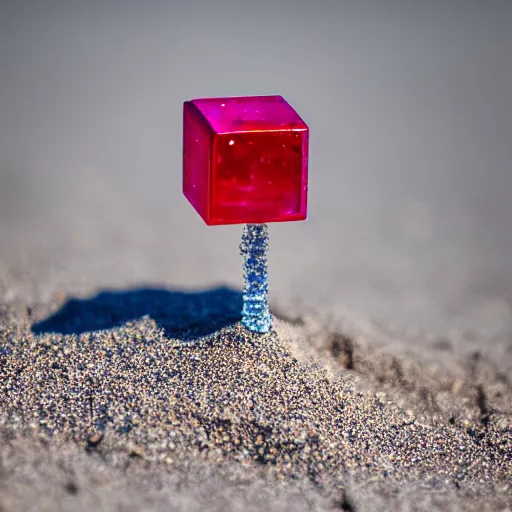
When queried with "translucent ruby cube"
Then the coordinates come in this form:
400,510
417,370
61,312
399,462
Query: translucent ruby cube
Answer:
245,160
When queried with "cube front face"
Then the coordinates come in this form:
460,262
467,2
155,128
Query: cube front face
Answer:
245,160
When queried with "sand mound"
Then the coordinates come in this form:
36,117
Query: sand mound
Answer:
234,400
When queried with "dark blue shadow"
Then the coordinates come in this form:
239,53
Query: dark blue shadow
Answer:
184,315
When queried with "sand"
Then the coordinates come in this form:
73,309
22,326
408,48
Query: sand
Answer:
386,384
140,416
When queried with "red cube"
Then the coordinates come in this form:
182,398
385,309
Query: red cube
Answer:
245,160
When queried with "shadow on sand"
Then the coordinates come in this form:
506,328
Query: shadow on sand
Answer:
184,315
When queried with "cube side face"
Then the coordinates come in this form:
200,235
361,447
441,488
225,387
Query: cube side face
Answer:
197,151
304,176
259,177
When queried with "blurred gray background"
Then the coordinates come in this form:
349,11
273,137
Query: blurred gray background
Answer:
410,110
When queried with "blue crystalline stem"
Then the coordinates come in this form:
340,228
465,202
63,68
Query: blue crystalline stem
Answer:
253,248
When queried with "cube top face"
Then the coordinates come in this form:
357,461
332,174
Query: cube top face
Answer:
249,114
245,160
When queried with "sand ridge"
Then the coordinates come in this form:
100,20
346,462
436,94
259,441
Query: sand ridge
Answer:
231,398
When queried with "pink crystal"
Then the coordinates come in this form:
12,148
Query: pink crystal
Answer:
245,160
